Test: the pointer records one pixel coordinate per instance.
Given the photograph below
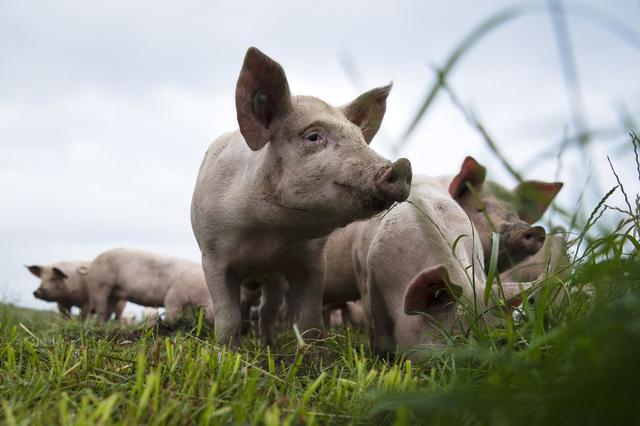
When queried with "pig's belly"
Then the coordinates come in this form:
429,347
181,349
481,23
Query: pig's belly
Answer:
147,292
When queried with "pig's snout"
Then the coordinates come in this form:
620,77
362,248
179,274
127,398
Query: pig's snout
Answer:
394,181
37,293
533,238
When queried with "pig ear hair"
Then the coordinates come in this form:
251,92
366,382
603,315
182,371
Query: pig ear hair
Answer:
367,110
534,197
472,173
262,94
430,291
35,270
59,273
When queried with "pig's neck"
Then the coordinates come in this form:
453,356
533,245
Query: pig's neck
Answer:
77,294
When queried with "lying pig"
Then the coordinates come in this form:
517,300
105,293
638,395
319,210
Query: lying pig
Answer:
265,195
148,279
510,213
65,283
423,257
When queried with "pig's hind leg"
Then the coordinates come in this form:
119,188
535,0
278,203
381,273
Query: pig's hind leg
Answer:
305,290
272,297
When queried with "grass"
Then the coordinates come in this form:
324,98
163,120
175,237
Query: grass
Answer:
53,371
569,363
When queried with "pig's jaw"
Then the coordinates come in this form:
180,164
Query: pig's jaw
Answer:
371,201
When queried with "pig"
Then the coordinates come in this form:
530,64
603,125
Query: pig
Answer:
422,257
551,264
348,314
65,283
128,318
150,316
148,279
492,207
267,194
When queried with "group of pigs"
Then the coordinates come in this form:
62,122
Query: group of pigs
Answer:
294,213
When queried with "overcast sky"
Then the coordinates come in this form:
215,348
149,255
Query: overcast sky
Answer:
107,108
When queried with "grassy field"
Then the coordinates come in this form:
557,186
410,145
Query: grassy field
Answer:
573,363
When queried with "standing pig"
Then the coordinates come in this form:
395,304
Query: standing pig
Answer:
65,283
296,170
491,207
148,279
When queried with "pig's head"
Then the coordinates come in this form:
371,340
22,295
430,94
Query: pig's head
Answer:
53,282
493,208
433,293
318,155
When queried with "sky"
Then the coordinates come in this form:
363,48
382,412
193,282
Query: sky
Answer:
107,108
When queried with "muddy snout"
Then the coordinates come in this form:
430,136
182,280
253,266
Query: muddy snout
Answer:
393,182
532,239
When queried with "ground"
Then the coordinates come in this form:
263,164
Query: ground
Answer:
575,363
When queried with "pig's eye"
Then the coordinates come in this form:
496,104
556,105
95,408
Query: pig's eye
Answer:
313,137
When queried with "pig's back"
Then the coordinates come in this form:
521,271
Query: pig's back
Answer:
140,276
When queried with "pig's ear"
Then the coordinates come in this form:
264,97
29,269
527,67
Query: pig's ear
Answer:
430,292
534,197
367,110
35,270
59,273
262,94
472,173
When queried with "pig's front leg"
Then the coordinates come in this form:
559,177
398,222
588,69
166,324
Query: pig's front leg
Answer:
224,287
86,310
65,311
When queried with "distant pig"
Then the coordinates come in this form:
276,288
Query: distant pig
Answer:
65,283
551,261
148,279
265,195
510,213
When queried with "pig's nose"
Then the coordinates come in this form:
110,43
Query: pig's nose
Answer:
394,182
535,235
35,293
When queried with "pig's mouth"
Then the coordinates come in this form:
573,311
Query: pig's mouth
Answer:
371,200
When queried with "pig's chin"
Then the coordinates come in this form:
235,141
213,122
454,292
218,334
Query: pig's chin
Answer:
369,200
44,297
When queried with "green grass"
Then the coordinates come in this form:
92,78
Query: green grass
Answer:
52,371
572,363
